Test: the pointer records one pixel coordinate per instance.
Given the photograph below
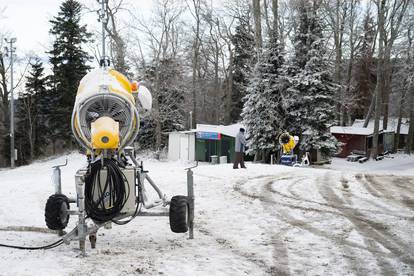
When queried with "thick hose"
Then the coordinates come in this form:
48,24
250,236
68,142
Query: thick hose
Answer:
104,201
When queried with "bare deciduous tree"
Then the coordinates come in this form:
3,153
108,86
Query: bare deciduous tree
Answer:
257,24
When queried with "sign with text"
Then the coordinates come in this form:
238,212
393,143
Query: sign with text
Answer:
208,135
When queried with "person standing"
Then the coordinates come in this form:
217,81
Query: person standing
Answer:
239,150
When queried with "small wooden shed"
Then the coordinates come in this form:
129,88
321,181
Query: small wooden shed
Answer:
357,140
390,132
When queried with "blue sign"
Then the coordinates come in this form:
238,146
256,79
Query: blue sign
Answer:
208,135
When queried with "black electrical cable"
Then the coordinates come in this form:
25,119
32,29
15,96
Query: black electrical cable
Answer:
104,201
49,246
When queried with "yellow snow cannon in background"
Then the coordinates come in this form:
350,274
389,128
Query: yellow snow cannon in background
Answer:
288,143
105,115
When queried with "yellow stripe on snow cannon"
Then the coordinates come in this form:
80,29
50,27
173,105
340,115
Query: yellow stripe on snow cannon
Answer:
105,133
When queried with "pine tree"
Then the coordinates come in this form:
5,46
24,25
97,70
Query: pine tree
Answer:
68,61
243,41
263,112
31,131
310,101
171,100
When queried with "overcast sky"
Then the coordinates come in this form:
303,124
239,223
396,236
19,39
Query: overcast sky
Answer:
28,21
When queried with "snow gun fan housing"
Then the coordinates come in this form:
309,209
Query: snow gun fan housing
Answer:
105,114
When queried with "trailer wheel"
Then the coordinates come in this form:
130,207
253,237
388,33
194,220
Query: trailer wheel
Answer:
179,214
56,216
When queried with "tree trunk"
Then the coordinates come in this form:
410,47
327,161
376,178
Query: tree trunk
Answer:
400,114
230,87
196,57
380,79
275,12
257,25
266,14
410,141
370,110
387,86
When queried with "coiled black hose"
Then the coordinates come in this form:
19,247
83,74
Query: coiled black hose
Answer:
104,201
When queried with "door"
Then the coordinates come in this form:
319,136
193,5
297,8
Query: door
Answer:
225,148
201,149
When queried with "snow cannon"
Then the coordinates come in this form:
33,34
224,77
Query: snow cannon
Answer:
288,143
105,115
111,187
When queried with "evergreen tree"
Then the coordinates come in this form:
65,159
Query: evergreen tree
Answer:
263,113
170,96
68,61
31,130
310,101
243,41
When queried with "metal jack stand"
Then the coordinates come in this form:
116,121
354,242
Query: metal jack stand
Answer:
57,177
57,183
82,227
190,195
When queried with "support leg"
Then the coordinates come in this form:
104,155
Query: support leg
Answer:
82,227
190,191
92,239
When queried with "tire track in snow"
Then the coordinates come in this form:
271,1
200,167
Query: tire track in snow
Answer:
340,241
247,256
232,246
301,224
285,217
372,232
401,195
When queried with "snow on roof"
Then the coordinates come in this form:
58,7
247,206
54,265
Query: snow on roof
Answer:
351,130
230,130
392,125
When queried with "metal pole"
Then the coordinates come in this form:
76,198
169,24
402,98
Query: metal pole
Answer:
103,21
12,150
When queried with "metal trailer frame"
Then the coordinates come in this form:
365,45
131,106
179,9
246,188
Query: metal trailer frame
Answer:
83,229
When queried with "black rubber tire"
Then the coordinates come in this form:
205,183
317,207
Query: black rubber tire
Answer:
179,214
54,212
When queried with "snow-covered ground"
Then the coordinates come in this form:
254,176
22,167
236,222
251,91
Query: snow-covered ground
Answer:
265,220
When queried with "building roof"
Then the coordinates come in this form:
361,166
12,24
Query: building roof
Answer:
358,128
230,130
392,125
352,130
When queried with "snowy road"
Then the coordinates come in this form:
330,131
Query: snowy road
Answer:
327,229
266,220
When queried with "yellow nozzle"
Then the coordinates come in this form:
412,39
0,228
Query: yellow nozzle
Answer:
105,133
